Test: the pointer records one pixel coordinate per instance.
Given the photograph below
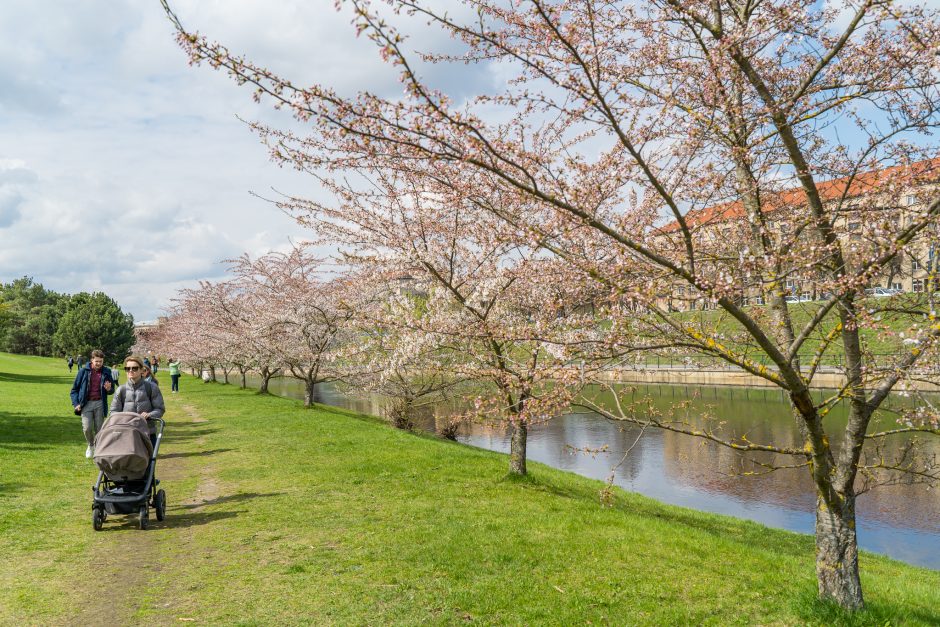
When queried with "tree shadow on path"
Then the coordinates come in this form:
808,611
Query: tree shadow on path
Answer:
232,498
174,434
182,516
196,453
172,521
8,488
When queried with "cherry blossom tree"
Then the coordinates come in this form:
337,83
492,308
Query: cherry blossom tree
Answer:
482,311
409,377
304,313
226,320
194,332
729,148
214,326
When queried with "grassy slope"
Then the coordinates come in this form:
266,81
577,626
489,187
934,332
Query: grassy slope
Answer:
281,515
878,342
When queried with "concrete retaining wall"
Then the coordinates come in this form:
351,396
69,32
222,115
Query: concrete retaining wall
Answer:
683,376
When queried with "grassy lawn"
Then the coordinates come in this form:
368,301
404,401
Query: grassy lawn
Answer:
280,515
884,343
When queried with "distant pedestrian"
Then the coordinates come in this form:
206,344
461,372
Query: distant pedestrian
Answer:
156,363
71,363
89,396
116,375
174,375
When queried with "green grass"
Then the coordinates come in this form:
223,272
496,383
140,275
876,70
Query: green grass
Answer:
884,343
280,515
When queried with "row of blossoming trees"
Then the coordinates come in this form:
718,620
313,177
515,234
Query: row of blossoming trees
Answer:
604,121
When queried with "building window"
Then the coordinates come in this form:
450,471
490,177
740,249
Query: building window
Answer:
853,231
915,265
896,286
911,200
918,285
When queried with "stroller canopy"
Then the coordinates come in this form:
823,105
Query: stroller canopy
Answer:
123,447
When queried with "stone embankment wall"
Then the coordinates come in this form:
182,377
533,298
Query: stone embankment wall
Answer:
677,375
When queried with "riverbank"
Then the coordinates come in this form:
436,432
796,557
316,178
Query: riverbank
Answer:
899,521
825,379
280,515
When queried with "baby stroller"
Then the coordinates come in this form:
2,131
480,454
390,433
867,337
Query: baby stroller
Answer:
126,455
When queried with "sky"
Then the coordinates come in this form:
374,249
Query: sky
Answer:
125,170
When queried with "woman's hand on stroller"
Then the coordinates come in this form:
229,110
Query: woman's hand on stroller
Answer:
145,414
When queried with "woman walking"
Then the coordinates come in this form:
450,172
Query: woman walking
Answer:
174,375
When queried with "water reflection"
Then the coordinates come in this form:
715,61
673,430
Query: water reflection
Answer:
900,521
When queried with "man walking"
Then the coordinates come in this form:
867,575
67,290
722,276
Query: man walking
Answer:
89,395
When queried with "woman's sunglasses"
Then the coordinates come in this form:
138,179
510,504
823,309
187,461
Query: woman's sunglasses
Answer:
131,368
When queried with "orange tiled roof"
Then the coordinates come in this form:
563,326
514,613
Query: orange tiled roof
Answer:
863,183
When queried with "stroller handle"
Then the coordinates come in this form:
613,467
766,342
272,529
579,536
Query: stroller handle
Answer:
160,420
158,435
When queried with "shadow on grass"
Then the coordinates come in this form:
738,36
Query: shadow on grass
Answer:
231,498
34,378
24,447
183,426
172,521
27,428
814,611
6,489
728,528
805,602
171,435
194,519
197,453
182,516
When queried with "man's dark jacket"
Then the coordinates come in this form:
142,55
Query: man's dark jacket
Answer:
81,388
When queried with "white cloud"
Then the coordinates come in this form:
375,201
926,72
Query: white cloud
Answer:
124,169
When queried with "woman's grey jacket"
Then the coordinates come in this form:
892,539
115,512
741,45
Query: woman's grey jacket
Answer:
142,397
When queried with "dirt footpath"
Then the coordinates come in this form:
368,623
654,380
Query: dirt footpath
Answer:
128,565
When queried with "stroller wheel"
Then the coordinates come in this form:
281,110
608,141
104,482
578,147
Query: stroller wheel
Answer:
160,504
144,517
96,518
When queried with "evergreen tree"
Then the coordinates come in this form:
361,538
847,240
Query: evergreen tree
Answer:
94,321
30,317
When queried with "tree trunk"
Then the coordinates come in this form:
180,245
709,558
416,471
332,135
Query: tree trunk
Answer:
837,554
244,383
265,379
212,373
517,448
310,394
225,375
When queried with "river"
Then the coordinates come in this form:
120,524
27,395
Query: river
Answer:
902,521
